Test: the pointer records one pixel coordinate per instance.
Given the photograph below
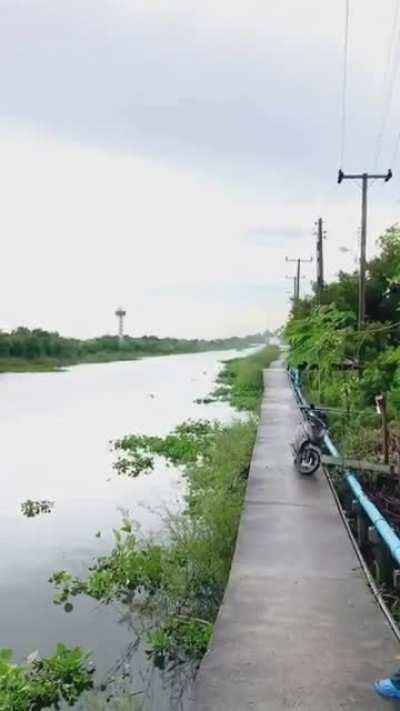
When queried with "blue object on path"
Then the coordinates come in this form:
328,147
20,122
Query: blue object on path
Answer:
387,689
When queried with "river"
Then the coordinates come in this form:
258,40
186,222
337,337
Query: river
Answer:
56,429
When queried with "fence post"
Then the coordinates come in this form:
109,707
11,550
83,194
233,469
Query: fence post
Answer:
383,562
362,528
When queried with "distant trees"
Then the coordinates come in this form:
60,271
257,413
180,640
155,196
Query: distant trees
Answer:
38,344
345,367
382,285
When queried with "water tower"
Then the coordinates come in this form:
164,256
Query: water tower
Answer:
120,314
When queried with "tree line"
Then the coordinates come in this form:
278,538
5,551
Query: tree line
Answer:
345,368
37,344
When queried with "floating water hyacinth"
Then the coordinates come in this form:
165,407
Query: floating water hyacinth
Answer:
31,508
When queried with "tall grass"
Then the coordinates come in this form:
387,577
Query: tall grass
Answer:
241,379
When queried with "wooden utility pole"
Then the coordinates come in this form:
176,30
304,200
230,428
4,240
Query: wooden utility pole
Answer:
298,275
381,407
364,177
320,258
294,279
295,287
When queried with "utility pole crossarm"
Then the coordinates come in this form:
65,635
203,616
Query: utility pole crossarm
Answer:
374,176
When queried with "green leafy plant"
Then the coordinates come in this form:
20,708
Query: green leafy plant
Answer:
189,441
179,639
33,508
344,367
43,683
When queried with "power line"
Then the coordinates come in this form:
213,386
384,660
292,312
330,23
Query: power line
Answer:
356,334
382,328
390,75
396,150
344,85
371,331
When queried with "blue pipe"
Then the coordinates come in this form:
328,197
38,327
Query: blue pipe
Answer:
382,526
384,529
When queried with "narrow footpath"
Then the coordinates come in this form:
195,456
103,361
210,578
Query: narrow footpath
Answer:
299,628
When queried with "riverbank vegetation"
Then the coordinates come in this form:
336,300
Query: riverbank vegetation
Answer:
180,582
344,368
177,584
39,350
240,382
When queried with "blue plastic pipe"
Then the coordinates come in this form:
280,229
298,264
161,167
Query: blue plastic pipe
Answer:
382,526
384,529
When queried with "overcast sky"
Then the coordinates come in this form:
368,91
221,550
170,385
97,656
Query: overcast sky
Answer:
166,155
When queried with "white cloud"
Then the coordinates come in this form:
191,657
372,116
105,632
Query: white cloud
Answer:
146,140
85,230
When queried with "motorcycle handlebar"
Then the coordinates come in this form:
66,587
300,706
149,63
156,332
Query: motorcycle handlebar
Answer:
314,414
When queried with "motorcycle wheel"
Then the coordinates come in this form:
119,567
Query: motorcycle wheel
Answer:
308,460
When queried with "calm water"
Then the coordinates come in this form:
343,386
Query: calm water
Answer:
56,429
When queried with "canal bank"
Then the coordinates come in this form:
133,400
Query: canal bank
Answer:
299,628
56,431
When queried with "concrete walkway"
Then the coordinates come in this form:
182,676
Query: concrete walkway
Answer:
299,628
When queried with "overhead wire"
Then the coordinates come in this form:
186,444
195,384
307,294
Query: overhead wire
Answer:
390,77
389,80
344,82
325,199
389,83
395,151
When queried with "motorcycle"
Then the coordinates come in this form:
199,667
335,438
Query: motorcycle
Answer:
308,440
